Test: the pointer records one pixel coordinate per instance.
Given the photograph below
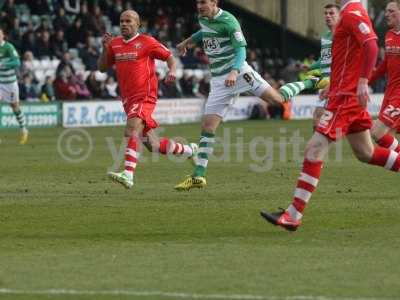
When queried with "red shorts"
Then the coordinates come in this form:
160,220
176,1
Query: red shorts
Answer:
346,119
390,114
143,109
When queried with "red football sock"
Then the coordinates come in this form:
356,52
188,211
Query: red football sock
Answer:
390,142
386,158
168,146
131,155
306,185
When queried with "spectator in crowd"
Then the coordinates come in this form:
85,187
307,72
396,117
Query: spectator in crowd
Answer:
190,61
82,91
15,34
47,91
63,85
167,90
8,13
44,47
27,66
59,44
186,83
76,35
29,42
45,25
65,62
90,54
38,7
95,87
253,60
111,88
87,19
72,6
27,90
61,21
99,26
202,88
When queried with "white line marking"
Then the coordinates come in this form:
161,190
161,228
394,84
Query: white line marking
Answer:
172,295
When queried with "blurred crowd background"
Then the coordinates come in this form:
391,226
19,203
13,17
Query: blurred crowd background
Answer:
60,41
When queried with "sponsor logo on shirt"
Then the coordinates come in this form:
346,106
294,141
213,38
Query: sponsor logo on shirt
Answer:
392,50
364,28
126,56
137,45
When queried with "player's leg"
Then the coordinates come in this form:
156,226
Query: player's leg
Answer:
384,136
10,93
209,126
216,107
315,152
366,152
293,89
133,130
167,146
317,114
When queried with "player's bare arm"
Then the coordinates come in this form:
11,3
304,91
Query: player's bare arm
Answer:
232,78
102,63
182,46
171,75
370,54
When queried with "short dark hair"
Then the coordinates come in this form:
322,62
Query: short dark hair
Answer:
332,6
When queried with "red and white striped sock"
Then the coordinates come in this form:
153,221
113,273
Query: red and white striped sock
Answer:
306,185
131,156
386,158
390,142
168,146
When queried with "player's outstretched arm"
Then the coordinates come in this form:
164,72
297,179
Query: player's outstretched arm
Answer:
194,39
102,62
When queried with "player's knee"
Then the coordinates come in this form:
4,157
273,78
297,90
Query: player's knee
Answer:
14,106
364,155
314,152
376,135
131,132
209,127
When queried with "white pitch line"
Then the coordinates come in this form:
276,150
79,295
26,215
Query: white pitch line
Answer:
171,295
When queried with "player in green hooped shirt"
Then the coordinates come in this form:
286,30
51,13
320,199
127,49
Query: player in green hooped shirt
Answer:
9,91
222,40
322,67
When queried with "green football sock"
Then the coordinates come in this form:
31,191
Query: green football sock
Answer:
292,89
206,144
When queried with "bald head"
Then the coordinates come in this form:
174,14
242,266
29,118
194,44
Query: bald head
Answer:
129,23
131,14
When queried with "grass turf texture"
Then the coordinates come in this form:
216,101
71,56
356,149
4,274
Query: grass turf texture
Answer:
65,226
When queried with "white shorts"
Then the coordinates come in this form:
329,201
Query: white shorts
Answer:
9,92
222,97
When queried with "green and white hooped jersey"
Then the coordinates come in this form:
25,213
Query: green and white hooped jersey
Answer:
7,54
326,54
220,36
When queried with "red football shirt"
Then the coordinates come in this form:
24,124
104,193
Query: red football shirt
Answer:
353,30
390,65
135,66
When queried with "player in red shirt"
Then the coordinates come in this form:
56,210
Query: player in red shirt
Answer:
354,55
134,55
384,129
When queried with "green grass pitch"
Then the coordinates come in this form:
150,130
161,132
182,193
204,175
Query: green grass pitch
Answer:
65,227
